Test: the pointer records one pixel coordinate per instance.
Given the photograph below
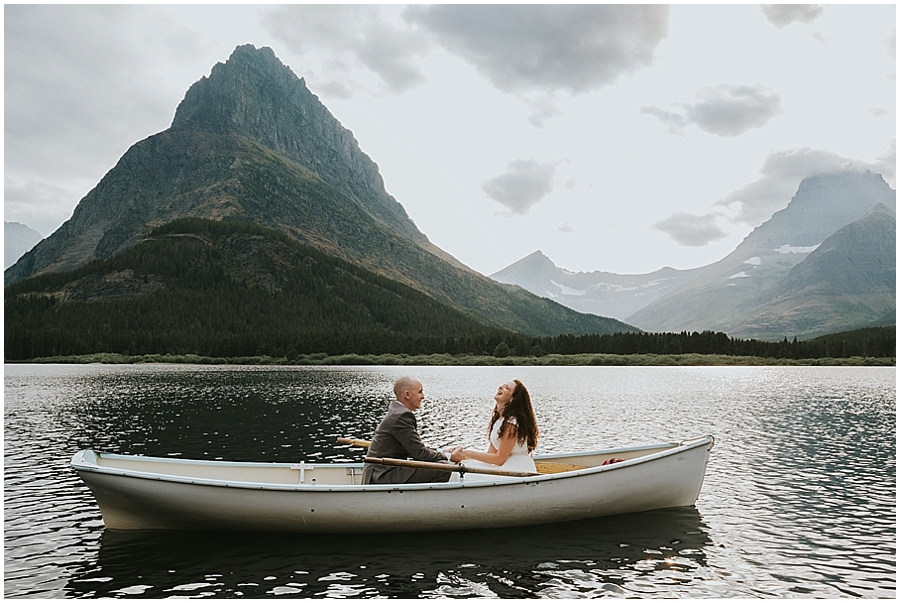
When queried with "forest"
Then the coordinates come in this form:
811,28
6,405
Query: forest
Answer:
86,332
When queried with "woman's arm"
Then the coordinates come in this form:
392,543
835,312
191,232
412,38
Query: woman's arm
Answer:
493,455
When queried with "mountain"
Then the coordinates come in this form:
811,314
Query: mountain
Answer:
729,292
848,282
250,142
17,240
601,293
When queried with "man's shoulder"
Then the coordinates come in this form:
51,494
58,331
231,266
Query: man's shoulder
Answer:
397,412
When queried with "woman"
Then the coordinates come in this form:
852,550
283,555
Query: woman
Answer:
513,432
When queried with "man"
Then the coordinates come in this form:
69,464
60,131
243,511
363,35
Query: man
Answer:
397,437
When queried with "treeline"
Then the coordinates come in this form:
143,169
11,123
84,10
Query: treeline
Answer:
878,342
90,333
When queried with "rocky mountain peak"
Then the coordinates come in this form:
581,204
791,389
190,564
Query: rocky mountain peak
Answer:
254,94
827,186
239,92
533,261
822,204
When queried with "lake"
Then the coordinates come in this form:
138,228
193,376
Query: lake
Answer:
799,499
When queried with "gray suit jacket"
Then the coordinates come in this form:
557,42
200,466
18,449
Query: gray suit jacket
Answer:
397,437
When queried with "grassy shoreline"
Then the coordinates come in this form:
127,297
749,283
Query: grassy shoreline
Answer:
468,360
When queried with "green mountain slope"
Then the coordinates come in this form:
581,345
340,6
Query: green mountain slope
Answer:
228,289
848,282
251,142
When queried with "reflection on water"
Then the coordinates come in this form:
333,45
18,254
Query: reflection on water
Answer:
585,558
799,500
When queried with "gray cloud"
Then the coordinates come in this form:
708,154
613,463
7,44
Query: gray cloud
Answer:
724,110
675,121
782,15
692,230
886,165
574,48
524,183
780,177
347,35
543,109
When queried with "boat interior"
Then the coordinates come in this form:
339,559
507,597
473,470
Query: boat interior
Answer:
330,474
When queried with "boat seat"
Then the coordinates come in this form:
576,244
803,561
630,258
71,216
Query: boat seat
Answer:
554,467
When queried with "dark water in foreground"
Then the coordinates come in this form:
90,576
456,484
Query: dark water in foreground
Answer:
799,500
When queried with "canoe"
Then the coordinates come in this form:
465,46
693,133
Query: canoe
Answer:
138,492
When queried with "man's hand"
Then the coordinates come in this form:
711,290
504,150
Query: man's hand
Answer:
457,454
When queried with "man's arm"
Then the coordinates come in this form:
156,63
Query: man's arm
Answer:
406,433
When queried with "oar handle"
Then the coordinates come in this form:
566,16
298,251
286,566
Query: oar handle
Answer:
354,442
444,467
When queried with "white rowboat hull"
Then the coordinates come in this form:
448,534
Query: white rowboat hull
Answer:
136,492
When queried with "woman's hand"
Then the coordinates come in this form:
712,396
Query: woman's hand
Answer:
457,454
495,456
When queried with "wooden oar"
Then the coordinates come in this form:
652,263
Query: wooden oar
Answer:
543,467
353,442
445,467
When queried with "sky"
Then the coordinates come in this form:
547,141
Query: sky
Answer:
621,138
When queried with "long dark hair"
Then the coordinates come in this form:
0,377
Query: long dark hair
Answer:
519,408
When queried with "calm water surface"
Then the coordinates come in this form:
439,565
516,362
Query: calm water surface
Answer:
799,499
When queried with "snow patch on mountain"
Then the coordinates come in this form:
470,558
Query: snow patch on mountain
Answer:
786,249
568,290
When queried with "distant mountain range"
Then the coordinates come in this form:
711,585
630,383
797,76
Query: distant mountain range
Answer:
602,293
17,240
825,263
250,143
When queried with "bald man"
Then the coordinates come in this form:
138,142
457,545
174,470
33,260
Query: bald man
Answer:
397,437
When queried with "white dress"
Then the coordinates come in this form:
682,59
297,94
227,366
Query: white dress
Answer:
518,460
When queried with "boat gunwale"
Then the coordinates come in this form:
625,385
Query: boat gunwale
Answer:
78,463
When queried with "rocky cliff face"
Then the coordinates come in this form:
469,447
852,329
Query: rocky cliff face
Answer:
256,95
823,204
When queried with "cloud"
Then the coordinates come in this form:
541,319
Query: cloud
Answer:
674,121
347,36
543,109
886,164
525,183
523,48
725,110
782,15
565,227
691,230
780,177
